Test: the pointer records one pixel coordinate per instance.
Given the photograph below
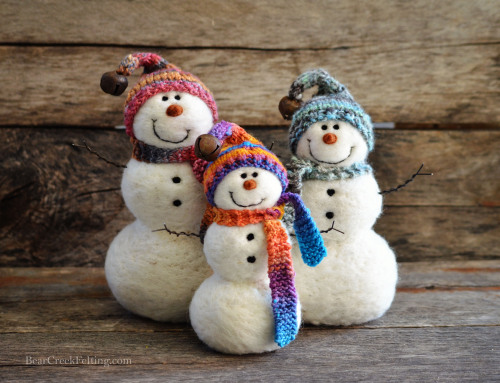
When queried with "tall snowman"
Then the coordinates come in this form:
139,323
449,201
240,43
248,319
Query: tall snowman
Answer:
330,137
155,274
249,304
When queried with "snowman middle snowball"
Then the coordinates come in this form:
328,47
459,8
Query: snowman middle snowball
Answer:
249,304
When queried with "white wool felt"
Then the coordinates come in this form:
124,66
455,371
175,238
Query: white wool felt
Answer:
355,204
354,284
155,274
349,146
232,194
232,311
152,196
154,127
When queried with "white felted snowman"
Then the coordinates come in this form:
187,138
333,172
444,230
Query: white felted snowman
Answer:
155,274
330,137
249,304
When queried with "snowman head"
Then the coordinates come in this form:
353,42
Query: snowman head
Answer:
245,175
331,128
168,108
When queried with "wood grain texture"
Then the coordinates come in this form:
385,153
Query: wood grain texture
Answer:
457,354
448,334
59,85
62,207
256,24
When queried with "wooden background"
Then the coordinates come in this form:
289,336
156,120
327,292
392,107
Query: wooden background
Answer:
431,68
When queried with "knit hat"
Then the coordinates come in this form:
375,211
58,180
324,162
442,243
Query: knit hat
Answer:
240,149
159,76
332,102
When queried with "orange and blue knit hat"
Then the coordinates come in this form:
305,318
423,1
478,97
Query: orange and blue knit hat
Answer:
159,76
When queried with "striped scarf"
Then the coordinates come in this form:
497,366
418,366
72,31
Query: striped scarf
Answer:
143,152
280,267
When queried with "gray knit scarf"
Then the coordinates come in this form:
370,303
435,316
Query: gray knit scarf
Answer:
300,170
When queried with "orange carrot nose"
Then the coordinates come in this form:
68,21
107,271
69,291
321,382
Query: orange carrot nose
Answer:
249,184
174,110
329,138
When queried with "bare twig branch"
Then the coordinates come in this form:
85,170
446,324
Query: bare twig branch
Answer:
176,233
324,231
407,181
86,146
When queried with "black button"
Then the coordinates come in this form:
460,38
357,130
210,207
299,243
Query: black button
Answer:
331,192
176,180
329,215
177,202
251,259
250,236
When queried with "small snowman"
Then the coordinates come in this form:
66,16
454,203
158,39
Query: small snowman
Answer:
330,137
249,304
155,274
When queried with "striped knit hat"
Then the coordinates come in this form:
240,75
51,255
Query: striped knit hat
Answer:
240,149
159,76
332,102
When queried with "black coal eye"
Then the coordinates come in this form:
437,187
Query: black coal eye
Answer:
250,236
177,97
329,215
330,192
251,259
336,127
164,98
324,127
244,175
177,202
255,174
176,180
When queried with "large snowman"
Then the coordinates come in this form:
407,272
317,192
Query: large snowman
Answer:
330,138
155,273
249,304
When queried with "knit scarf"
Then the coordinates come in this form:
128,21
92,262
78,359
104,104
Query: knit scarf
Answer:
280,267
300,170
151,154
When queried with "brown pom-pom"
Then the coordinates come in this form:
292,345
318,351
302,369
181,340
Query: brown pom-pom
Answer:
207,147
113,83
288,107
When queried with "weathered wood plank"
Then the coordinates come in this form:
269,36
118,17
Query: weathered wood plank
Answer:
59,206
77,299
257,24
348,355
28,284
415,85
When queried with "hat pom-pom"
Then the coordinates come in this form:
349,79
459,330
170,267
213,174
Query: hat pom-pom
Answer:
288,106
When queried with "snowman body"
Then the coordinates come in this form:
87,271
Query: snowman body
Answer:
154,273
232,310
356,282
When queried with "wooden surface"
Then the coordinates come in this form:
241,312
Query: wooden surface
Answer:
405,62
62,206
443,326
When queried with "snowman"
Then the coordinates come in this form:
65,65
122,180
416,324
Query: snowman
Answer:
155,273
249,304
330,138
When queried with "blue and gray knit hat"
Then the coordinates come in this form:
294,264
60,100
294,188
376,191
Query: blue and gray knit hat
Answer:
332,102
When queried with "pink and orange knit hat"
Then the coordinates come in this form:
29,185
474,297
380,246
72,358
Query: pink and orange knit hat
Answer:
159,76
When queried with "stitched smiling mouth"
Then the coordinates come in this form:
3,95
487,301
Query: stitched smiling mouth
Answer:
326,162
237,204
171,142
